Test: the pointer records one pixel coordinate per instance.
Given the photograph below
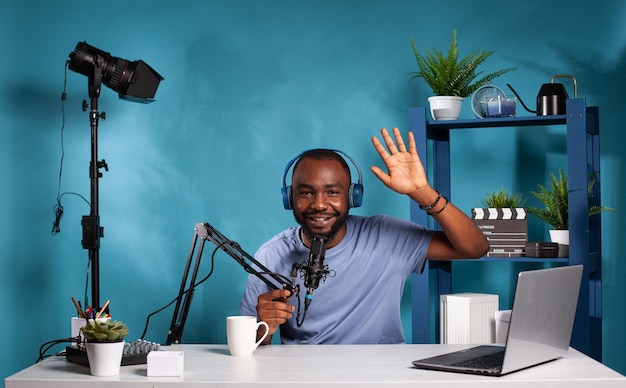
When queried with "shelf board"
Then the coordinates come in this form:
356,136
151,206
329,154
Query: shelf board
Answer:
520,259
497,122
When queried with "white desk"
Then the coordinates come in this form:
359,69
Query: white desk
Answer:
314,365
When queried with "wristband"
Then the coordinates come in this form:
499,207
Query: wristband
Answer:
434,203
440,210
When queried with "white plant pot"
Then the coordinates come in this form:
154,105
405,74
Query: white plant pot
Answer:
105,358
445,107
562,238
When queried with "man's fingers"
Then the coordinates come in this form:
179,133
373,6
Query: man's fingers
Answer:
272,307
275,295
388,141
399,140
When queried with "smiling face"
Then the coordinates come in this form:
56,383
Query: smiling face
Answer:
320,190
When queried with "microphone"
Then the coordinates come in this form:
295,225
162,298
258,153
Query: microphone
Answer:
314,269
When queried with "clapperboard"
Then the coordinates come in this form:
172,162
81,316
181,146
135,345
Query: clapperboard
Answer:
506,230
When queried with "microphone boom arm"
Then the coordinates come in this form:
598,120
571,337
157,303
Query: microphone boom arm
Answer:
204,231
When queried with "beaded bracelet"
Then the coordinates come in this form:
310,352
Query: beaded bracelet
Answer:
434,203
440,210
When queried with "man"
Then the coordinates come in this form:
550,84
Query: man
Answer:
368,258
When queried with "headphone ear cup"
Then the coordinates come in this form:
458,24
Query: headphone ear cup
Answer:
356,195
286,193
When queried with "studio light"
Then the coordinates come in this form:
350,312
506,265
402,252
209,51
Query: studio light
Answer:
132,80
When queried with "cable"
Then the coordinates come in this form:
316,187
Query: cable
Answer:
306,308
87,278
58,207
246,267
145,330
43,349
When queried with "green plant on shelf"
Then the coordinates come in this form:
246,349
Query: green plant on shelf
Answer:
447,75
555,199
502,199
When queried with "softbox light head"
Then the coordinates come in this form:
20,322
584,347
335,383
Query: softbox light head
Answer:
133,80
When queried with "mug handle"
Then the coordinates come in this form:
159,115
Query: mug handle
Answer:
267,330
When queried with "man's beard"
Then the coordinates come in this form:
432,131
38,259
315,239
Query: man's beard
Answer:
334,229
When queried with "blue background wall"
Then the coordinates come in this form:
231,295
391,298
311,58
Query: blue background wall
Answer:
249,84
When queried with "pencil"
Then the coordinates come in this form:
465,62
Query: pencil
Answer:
102,309
80,312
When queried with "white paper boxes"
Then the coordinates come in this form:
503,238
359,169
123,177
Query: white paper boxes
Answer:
166,363
468,318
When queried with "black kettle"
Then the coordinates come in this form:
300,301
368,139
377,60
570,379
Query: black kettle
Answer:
551,97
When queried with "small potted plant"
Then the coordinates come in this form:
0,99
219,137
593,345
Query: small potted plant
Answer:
502,199
556,210
105,345
502,219
451,78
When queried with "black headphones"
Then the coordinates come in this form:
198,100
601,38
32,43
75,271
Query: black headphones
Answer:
356,189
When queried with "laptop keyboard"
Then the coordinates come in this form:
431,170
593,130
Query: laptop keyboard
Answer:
489,361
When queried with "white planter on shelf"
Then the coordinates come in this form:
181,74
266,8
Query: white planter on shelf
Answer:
562,238
445,107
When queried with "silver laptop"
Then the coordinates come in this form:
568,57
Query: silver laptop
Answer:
540,329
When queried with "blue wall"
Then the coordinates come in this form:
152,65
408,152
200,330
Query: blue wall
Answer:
249,84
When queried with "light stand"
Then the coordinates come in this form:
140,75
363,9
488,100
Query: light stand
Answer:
92,231
134,81
204,231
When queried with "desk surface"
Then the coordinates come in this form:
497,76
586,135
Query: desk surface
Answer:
314,365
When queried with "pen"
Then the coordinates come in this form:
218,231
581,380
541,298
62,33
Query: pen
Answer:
102,309
80,312
81,309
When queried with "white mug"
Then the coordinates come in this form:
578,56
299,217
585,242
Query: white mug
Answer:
241,334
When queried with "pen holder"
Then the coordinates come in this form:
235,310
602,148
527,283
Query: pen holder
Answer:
77,323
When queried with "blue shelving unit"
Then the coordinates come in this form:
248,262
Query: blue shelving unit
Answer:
583,156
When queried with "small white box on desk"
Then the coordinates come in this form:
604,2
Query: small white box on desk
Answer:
166,363
467,318
503,318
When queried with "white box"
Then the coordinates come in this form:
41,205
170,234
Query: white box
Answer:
467,318
502,318
166,363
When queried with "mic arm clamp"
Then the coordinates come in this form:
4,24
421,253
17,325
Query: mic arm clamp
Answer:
203,231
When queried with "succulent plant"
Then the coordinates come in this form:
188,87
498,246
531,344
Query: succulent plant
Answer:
105,330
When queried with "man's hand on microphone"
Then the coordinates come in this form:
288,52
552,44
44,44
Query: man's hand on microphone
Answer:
273,309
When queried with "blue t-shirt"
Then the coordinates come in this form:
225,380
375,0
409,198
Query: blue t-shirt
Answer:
359,302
